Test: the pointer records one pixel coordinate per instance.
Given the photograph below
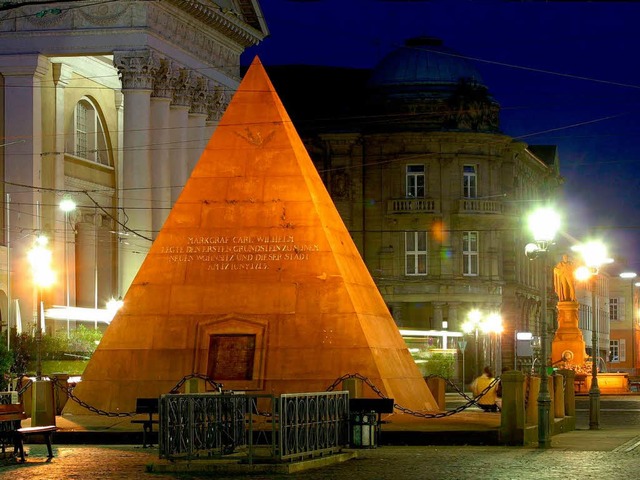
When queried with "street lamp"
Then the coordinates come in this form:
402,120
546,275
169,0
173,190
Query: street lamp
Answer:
631,276
594,255
487,324
40,259
473,324
543,224
633,330
67,205
493,325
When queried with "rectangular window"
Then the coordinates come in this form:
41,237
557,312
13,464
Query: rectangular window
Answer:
469,181
614,351
614,309
415,181
470,253
623,350
415,247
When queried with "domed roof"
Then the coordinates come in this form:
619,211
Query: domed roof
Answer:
431,87
422,61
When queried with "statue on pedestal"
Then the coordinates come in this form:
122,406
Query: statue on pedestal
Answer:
564,280
568,345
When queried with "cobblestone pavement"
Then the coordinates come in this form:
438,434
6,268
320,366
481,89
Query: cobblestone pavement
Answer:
611,452
461,463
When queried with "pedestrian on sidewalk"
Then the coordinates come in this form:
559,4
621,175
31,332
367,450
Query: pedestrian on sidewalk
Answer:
486,402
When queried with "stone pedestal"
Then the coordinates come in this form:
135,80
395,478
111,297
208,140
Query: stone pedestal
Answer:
568,344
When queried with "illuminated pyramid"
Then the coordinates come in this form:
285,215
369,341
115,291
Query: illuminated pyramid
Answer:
253,280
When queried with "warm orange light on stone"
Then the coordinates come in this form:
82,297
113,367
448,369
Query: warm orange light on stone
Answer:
568,344
254,277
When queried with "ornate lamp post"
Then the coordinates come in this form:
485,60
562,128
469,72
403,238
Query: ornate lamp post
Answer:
40,259
594,255
473,325
543,224
486,324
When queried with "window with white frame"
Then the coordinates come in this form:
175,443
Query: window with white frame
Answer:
469,181
470,253
415,248
89,141
614,309
415,181
614,351
617,350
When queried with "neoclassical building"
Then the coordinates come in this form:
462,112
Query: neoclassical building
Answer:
433,193
110,105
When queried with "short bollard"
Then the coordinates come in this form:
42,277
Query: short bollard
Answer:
364,429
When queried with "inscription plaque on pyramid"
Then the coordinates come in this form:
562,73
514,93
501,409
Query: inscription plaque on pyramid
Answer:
253,280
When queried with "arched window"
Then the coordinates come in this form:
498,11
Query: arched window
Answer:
90,142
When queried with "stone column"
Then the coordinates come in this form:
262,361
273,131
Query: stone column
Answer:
137,69
22,159
160,147
453,316
196,137
61,77
437,315
119,105
178,123
217,103
86,260
397,308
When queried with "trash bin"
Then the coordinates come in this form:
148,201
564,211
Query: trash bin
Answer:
364,429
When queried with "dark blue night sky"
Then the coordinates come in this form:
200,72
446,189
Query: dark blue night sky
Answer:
565,73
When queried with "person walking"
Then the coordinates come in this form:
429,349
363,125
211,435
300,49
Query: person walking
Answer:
486,402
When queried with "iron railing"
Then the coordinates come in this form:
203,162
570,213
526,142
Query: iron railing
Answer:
252,427
313,423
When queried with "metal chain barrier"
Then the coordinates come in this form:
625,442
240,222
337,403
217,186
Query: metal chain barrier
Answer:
69,391
218,387
448,413
21,389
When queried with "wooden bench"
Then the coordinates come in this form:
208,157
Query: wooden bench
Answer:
147,406
11,416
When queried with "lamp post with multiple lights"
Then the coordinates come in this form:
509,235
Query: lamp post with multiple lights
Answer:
543,224
487,324
594,255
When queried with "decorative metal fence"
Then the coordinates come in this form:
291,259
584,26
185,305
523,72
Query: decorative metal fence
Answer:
312,423
252,427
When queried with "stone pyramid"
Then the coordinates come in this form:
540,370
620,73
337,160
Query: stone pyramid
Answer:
253,280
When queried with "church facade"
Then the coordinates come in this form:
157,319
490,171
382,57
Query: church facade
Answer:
110,106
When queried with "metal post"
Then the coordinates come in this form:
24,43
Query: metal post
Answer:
477,365
66,267
633,332
594,391
544,398
7,224
39,335
95,266
462,344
